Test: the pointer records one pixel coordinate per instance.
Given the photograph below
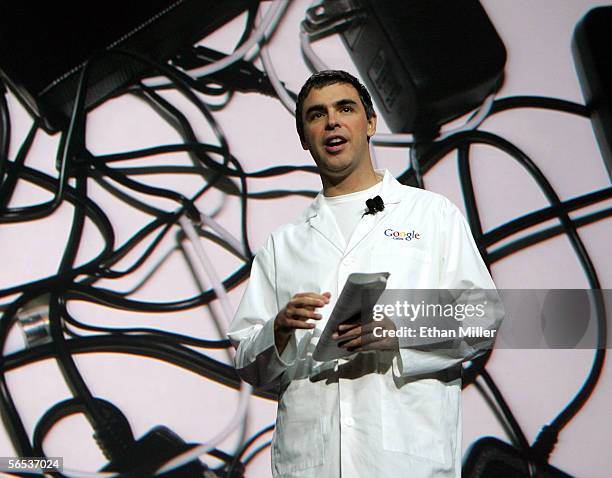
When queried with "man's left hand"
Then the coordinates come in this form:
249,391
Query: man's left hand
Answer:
369,336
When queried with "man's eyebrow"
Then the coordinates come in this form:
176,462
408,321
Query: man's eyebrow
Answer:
314,108
345,102
339,103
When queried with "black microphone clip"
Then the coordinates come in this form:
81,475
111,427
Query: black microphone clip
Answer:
374,205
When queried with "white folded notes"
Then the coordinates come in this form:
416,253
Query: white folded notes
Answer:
348,309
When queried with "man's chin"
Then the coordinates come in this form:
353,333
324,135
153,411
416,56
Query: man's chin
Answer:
335,163
336,170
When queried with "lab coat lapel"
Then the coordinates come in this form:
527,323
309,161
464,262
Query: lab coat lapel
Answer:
322,219
368,223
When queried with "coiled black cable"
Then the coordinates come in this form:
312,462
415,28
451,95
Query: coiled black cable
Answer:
545,441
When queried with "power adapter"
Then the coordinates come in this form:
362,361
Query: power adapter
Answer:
151,451
425,62
591,49
44,46
490,457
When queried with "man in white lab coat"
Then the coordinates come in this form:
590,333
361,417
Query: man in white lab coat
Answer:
377,413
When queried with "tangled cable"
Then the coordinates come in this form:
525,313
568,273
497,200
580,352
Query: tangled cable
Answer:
218,169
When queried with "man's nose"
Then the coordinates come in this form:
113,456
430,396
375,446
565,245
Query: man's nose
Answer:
332,120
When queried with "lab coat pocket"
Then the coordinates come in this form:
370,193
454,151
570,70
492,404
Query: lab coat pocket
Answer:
420,419
410,266
392,252
298,438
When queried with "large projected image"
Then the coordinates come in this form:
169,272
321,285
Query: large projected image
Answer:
150,160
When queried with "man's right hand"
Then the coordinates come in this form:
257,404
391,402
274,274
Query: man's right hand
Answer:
300,308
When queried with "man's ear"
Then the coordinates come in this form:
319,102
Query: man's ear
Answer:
371,131
304,146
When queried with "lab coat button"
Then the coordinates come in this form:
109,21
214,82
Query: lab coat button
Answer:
349,422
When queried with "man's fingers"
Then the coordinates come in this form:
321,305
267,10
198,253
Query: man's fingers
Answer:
324,296
299,302
301,308
306,296
365,340
359,340
342,328
347,332
299,324
351,344
302,314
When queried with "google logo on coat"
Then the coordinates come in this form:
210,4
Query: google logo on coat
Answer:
401,235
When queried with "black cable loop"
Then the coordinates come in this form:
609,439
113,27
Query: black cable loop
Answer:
111,446
145,346
478,137
545,234
93,211
106,272
568,227
183,126
72,406
142,331
514,425
66,154
245,447
7,187
187,147
8,410
537,217
182,82
114,300
139,205
10,415
469,197
539,102
167,222
473,217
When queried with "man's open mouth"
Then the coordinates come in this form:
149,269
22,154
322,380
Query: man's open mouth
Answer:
335,143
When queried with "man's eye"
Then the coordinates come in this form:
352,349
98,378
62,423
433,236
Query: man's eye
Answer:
347,109
316,115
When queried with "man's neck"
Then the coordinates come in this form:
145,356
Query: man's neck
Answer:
350,184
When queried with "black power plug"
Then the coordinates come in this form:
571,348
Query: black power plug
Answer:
151,451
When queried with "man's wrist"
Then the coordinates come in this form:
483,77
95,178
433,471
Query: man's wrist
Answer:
281,338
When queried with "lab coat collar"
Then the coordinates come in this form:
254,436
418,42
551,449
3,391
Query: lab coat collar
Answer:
390,193
322,219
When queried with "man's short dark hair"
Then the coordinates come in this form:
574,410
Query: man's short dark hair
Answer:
326,78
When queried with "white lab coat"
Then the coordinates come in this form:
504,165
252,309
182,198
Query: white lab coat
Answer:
375,414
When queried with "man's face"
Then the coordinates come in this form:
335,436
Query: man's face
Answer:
336,129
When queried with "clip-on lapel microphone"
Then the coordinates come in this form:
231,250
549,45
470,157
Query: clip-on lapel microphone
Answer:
374,205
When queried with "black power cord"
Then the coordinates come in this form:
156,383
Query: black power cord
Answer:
5,132
7,187
545,441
